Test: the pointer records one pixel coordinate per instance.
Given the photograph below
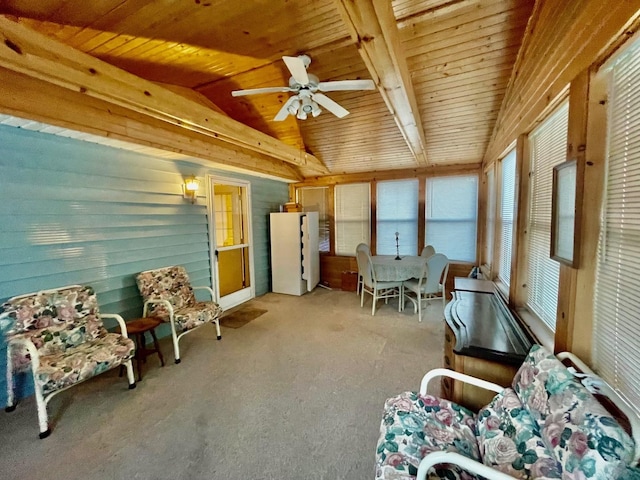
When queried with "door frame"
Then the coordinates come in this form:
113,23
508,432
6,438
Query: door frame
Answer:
246,294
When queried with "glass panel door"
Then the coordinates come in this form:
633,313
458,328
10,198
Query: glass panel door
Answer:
231,234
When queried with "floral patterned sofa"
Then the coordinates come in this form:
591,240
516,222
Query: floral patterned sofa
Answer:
168,295
548,425
59,336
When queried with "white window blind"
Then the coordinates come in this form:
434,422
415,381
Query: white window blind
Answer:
314,199
507,203
548,144
397,211
616,336
452,216
490,218
352,213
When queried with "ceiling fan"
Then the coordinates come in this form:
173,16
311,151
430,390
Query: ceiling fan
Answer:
307,87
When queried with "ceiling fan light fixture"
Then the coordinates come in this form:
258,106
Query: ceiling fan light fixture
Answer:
316,110
293,108
302,115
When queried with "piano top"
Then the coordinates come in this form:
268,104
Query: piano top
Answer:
485,328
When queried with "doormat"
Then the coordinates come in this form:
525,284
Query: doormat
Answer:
241,317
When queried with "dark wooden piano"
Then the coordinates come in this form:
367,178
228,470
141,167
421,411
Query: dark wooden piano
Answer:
483,339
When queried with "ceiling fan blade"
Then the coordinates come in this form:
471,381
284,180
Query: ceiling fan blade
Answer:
346,85
330,105
298,69
254,91
284,111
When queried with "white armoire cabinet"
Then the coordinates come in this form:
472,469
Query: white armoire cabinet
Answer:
295,257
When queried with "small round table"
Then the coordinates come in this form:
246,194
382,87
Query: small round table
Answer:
137,328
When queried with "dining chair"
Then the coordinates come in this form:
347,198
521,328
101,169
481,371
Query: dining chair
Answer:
378,290
364,248
428,251
431,283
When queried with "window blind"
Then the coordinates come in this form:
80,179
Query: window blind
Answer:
490,219
548,146
452,216
314,199
397,211
507,203
352,213
616,337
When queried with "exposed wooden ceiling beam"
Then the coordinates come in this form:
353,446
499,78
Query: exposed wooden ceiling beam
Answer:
34,99
31,53
373,28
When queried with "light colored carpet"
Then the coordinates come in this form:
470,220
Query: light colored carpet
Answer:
296,393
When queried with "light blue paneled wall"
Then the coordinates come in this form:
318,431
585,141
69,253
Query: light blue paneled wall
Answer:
74,212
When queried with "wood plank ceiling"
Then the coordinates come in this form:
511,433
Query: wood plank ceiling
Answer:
459,55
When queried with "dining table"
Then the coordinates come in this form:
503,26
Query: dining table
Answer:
388,269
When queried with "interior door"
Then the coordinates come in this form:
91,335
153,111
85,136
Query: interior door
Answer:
231,234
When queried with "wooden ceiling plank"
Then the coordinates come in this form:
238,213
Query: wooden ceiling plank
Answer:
373,28
25,51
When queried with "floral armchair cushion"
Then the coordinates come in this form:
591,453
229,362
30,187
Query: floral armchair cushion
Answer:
510,441
413,426
65,327
172,284
582,435
169,283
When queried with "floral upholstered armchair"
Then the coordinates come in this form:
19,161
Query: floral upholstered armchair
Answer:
168,295
59,335
547,425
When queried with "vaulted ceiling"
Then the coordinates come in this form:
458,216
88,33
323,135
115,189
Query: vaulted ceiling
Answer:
442,67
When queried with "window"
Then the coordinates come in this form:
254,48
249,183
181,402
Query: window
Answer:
548,146
397,211
314,199
452,216
352,212
490,219
507,203
616,336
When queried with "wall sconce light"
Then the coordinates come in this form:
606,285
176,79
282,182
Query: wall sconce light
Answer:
190,188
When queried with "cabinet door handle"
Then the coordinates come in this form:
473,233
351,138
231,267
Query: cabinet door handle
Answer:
447,337
447,361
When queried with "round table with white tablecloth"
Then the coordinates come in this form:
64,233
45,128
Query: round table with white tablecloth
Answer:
388,269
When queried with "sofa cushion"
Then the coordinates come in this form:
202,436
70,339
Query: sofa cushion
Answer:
85,361
583,436
414,425
509,440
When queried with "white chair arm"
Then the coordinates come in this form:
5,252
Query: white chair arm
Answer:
123,325
209,289
31,348
436,458
444,372
151,301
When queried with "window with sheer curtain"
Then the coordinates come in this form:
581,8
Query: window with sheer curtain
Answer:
397,211
548,146
452,216
314,199
507,203
616,336
352,214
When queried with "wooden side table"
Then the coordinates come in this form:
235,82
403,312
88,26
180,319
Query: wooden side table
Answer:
137,328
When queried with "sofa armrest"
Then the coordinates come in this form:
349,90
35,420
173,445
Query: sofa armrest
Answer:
120,320
605,389
444,372
473,466
209,289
